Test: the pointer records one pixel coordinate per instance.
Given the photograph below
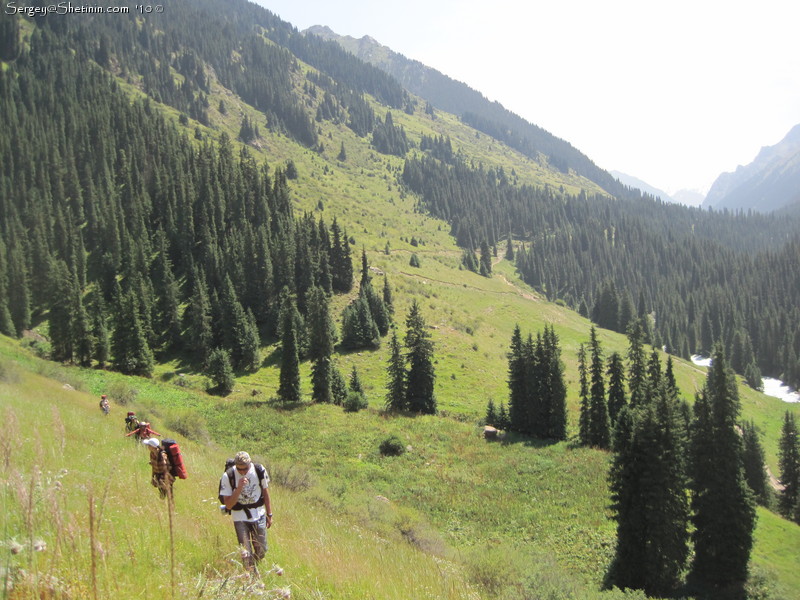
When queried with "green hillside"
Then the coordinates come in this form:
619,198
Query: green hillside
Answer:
165,179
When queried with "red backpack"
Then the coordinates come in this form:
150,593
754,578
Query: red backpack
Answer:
173,451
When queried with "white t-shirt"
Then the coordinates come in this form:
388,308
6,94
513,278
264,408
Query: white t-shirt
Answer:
250,493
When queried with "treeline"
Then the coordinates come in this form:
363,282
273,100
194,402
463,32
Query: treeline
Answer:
251,51
133,240
698,276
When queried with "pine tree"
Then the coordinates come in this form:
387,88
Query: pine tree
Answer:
322,337
491,414
517,381
132,354
338,386
198,321
486,260
388,300
617,398
637,371
61,312
554,387
289,378
420,375
789,464
584,419
359,329
648,484
396,384
599,431
754,472
722,504
220,371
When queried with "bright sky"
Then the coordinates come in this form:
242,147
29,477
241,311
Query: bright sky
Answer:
672,93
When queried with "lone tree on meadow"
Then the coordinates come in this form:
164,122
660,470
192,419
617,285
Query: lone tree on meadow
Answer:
421,376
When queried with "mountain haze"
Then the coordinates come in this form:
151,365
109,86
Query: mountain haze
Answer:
770,182
475,109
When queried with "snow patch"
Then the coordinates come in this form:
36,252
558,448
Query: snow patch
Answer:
772,387
777,389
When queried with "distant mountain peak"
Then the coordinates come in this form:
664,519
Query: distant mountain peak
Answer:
770,182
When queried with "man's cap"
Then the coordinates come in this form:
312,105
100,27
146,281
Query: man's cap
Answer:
151,442
242,458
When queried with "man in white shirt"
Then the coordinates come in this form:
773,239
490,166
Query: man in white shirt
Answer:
245,492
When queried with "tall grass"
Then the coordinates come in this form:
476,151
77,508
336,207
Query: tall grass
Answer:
80,520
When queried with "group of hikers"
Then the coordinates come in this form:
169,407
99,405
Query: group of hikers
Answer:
243,487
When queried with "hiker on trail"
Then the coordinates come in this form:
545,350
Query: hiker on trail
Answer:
104,404
162,479
244,490
131,422
143,432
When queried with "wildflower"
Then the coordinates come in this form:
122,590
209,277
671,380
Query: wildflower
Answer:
15,547
40,545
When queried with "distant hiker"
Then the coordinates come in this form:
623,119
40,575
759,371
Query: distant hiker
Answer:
104,404
162,479
131,422
244,492
143,431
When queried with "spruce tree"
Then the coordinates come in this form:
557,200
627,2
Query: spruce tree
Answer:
491,414
132,354
289,378
338,386
754,472
617,398
584,418
648,485
421,375
220,371
637,370
322,337
722,504
554,387
599,431
789,464
388,300
486,260
517,381
396,371
198,321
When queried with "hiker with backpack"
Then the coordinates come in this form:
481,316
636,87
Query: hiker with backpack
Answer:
244,494
104,404
162,477
131,422
143,431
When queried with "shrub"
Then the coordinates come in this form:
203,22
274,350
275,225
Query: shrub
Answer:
355,401
189,424
121,393
392,446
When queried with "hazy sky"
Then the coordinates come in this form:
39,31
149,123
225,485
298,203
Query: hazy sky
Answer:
672,93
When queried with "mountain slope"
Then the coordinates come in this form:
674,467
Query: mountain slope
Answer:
472,107
770,182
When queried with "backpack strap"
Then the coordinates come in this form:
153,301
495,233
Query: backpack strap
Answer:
260,471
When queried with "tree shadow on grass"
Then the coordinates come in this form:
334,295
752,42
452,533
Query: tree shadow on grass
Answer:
512,438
